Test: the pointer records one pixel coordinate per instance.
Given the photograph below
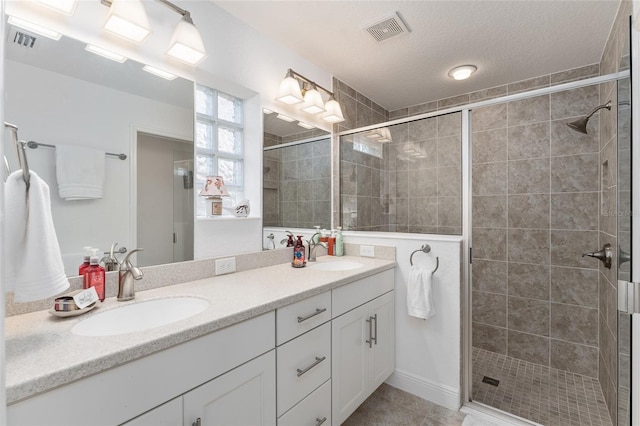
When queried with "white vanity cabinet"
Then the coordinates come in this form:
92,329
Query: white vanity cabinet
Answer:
168,414
304,362
363,341
123,393
243,396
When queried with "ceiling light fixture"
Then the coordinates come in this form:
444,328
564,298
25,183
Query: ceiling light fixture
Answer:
305,125
128,19
34,28
105,53
159,73
68,7
462,72
285,118
290,93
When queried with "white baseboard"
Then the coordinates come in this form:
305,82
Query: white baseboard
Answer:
426,389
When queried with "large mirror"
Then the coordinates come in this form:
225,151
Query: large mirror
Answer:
296,175
57,93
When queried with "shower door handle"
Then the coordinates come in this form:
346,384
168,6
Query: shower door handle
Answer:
605,255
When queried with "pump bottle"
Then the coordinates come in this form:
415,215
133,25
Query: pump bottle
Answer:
94,275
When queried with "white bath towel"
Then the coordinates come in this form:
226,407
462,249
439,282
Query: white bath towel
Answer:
419,293
33,264
80,172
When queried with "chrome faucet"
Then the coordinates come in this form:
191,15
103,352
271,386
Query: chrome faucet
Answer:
111,262
128,274
313,246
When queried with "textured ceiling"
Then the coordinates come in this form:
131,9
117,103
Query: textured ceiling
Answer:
508,41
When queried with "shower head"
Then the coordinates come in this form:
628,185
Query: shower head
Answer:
580,125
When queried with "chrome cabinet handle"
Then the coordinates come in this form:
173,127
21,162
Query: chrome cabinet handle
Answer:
317,312
320,420
370,341
197,422
375,329
316,362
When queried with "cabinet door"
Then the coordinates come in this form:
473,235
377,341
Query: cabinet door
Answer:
243,396
350,355
382,355
168,414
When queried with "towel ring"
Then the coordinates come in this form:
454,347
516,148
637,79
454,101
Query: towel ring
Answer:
426,248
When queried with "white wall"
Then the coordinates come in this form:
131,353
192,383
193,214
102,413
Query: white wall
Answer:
428,352
55,109
3,142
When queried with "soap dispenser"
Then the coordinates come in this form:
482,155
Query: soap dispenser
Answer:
339,243
94,275
299,260
87,260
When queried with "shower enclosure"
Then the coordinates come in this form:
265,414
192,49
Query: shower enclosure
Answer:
544,317
530,192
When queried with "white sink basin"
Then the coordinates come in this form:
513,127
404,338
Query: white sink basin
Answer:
140,316
336,265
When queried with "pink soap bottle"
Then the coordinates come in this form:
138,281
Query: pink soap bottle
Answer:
94,275
86,263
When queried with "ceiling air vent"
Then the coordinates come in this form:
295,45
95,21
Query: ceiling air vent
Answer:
23,39
386,28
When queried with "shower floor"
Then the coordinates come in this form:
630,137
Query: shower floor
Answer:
541,394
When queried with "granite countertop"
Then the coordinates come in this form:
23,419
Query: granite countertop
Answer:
42,353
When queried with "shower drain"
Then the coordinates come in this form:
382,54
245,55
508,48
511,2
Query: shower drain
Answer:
490,381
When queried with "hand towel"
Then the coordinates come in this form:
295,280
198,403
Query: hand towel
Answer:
33,264
419,293
80,172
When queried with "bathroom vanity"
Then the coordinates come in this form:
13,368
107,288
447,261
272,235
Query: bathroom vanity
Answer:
277,345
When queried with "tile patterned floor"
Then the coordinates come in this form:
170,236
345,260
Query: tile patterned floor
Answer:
389,406
541,394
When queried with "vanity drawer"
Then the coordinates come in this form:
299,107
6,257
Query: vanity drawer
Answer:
303,365
300,317
358,293
314,410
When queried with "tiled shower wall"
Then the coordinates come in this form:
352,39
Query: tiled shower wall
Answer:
614,347
535,210
414,187
297,184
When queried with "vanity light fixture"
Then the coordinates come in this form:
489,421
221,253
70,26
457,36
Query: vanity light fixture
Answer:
305,125
159,73
285,118
313,103
334,112
128,19
290,93
34,28
68,7
462,72
105,53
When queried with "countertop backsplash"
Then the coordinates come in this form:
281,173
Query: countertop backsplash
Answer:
177,273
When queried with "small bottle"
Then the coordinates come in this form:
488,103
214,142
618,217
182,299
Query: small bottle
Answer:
339,243
324,237
316,237
94,275
331,251
290,241
87,259
299,260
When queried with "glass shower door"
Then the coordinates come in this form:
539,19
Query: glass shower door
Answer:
624,251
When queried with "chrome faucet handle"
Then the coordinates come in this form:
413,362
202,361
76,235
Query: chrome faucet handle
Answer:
605,255
127,275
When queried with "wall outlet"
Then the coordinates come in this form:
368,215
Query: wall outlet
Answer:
225,266
368,251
